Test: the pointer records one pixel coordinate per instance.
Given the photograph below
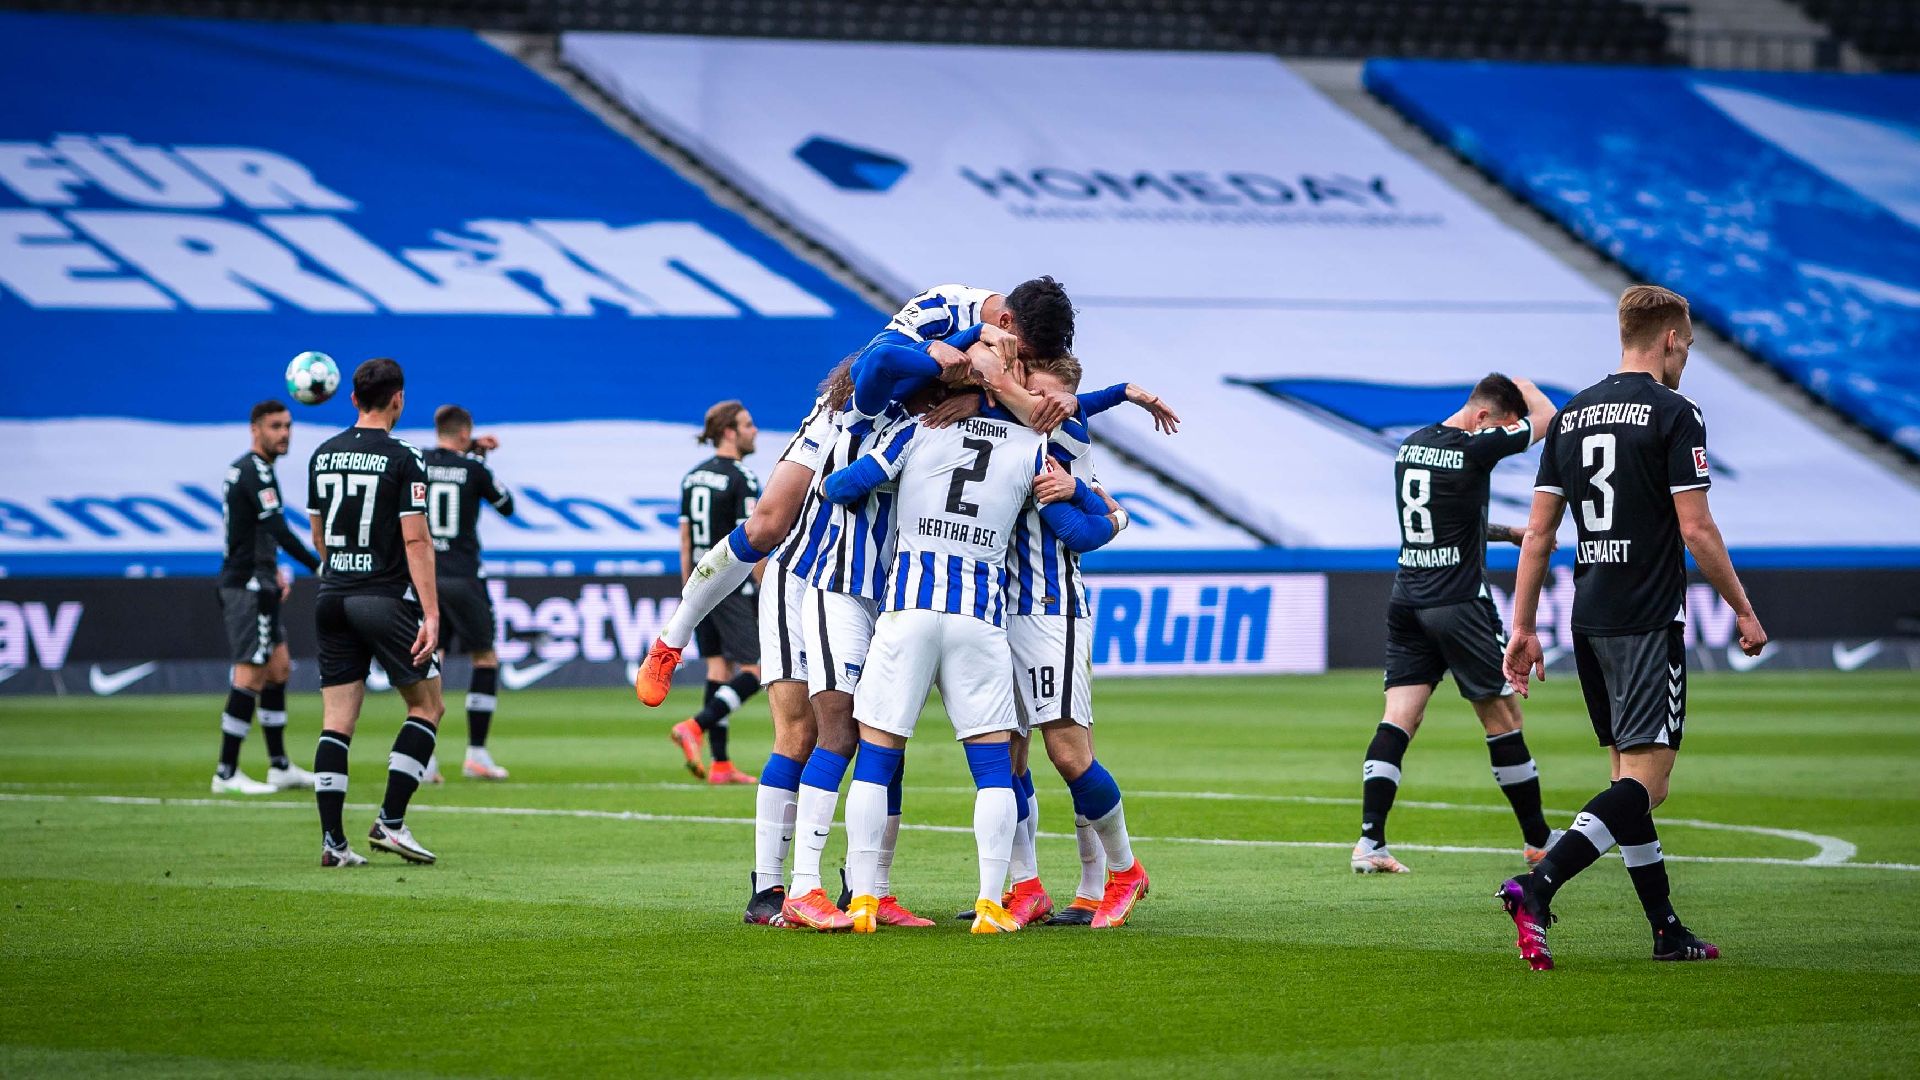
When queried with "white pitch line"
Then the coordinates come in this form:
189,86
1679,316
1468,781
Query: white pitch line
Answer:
703,819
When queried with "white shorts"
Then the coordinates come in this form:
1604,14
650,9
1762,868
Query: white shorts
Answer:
912,650
783,648
1052,669
838,628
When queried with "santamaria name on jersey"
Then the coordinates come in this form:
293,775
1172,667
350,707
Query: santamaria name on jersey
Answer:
1429,558
1432,456
1638,414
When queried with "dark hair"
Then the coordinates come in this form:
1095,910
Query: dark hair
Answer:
375,382
266,408
1500,395
1042,317
719,419
451,419
837,387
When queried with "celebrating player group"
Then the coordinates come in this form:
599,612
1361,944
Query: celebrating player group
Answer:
923,528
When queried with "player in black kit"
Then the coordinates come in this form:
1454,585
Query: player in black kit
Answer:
717,495
1630,454
1441,618
367,492
251,589
458,483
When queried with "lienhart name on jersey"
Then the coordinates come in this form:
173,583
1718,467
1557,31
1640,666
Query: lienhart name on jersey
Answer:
229,228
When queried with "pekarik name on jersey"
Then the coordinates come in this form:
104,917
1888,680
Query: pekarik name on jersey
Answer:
1606,414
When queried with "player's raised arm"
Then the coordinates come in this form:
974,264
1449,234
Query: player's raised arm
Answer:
1540,408
1524,656
854,482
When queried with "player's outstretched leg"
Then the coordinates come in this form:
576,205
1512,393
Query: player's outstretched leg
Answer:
1379,783
718,575
773,815
330,796
1096,796
807,902
1026,899
235,721
1528,899
994,816
406,766
282,773
483,697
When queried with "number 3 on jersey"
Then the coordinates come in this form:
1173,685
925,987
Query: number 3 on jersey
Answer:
1597,512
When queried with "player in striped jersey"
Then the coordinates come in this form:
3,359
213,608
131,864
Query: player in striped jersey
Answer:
961,489
1037,313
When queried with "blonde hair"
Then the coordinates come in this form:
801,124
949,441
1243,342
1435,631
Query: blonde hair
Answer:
1066,368
1646,312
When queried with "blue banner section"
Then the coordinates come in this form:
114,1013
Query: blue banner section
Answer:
1786,207
185,205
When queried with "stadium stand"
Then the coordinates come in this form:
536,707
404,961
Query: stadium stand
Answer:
1886,30
1782,203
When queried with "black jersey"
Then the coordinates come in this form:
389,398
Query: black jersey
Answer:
360,483
256,524
457,483
716,496
1440,482
1619,452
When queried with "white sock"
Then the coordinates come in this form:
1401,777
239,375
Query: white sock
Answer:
772,835
1025,864
717,576
994,813
479,755
1093,868
812,823
433,765
1113,837
866,834
883,878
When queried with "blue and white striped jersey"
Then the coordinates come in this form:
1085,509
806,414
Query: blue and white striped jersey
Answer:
940,312
961,490
809,447
1043,577
855,544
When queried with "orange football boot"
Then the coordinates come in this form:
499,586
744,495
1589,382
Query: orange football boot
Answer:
687,736
1124,889
815,912
724,772
893,913
1028,902
655,676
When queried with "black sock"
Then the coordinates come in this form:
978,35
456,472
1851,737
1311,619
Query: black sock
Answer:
405,766
1647,866
1380,780
1594,831
273,722
713,687
1519,779
235,720
330,785
722,699
482,696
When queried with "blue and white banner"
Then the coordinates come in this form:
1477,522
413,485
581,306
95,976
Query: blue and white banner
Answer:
1786,206
185,205
1300,289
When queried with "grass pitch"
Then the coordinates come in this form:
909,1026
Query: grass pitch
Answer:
585,917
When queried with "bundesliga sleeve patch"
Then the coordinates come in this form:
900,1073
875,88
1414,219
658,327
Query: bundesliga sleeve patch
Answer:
1700,461
419,493
269,499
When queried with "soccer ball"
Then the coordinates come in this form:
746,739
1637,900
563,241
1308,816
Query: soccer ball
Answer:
312,377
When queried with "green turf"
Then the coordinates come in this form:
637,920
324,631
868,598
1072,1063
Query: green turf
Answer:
190,940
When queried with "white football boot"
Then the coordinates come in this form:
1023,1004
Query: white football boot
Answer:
240,784
1375,860
340,858
399,840
293,776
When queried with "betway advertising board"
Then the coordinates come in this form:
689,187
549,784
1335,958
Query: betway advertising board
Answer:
185,205
1301,289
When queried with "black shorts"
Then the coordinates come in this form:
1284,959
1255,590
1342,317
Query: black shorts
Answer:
466,615
252,617
1424,643
355,628
731,630
1635,686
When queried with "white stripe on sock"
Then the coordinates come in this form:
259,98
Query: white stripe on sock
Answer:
273,718
330,781
1509,775
1594,830
1641,854
482,702
406,765
729,695
1379,770
234,726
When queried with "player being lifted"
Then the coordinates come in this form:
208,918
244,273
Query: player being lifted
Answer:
717,495
459,481
1037,313
961,490
1630,454
251,589
1441,617
367,493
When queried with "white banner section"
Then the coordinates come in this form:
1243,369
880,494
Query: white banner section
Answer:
1300,289
1192,624
592,497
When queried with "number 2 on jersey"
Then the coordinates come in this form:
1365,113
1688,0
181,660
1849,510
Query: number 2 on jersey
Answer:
971,474
336,488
